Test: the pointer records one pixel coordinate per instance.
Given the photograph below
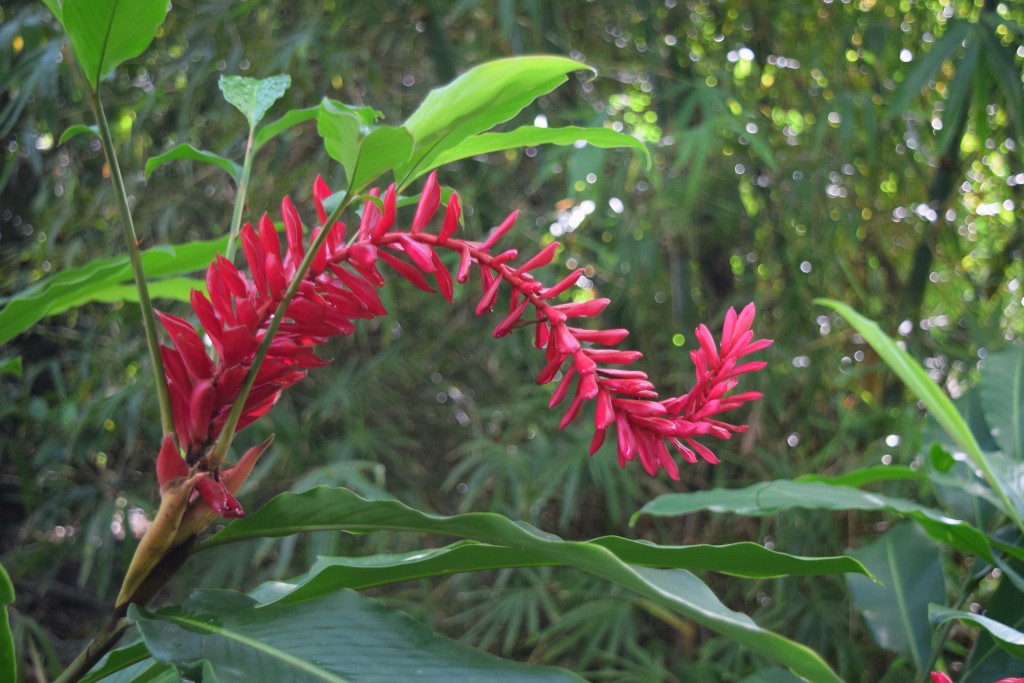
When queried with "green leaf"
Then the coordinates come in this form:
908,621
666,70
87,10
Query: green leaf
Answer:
382,150
54,6
341,130
78,129
8,662
1002,61
921,74
253,97
342,637
958,101
909,566
188,152
1002,399
768,498
749,560
1010,639
867,475
325,508
11,366
77,286
174,289
532,136
988,661
105,33
128,661
289,120
476,101
939,406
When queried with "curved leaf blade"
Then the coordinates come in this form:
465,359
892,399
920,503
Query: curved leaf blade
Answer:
187,152
325,508
342,637
254,96
76,130
927,66
289,120
1008,638
768,498
105,33
533,136
1002,399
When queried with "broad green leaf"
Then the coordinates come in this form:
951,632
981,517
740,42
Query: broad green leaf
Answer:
909,566
867,475
325,508
342,637
927,65
532,136
939,406
252,96
1005,636
768,498
748,560
188,152
341,131
289,120
1002,399
772,675
8,662
476,101
105,33
381,150
76,286
11,366
175,289
78,129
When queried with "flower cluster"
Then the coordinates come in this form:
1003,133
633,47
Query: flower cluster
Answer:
939,677
340,287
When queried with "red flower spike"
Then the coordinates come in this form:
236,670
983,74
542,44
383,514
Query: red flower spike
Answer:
341,287
168,462
217,496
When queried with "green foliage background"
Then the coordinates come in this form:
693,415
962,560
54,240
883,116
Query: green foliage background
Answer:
801,150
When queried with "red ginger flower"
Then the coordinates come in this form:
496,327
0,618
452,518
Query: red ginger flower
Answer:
939,677
341,287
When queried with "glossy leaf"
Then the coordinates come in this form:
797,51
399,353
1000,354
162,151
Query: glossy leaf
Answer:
749,560
1002,399
867,475
105,33
476,101
342,637
909,566
8,662
939,406
252,96
325,508
532,136
187,152
382,150
77,286
1008,638
341,130
768,498
126,662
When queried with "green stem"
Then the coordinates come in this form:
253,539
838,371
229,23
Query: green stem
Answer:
135,257
243,187
220,448
100,645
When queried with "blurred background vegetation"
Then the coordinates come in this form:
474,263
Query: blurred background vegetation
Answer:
802,149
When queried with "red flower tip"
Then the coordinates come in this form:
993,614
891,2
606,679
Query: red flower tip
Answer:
169,463
215,494
430,197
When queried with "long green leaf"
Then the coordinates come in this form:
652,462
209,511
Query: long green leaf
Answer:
289,120
532,136
939,405
1002,399
922,72
325,508
476,101
1010,639
896,611
105,33
76,286
127,661
768,498
8,662
867,475
1002,60
988,661
188,152
749,560
342,637
381,150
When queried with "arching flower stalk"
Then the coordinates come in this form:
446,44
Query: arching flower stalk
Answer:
341,287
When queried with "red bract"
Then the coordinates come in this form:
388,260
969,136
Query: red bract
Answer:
341,287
